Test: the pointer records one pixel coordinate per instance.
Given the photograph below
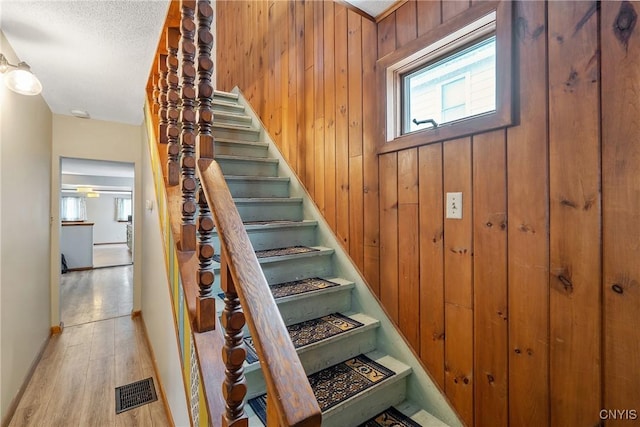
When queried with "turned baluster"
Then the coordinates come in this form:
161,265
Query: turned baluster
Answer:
163,102
234,388
173,107
205,304
155,95
188,120
205,85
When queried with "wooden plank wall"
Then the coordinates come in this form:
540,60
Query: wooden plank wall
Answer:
528,307
308,68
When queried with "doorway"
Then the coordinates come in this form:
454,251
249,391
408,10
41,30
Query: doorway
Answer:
96,240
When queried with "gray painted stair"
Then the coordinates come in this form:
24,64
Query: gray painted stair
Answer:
279,214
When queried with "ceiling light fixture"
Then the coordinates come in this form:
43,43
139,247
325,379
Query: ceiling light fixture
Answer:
84,189
20,79
93,194
81,114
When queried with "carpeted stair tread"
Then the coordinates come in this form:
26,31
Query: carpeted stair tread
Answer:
293,250
342,382
419,415
388,418
297,287
312,331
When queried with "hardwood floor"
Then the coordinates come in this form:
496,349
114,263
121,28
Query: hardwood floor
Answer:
91,295
74,383
110,255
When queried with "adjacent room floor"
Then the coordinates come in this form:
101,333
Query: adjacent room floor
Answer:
74,383
91,295
111,255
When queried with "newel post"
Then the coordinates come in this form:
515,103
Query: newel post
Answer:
205,304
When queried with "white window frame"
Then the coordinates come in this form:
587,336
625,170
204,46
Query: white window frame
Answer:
120,203
81,211
478,22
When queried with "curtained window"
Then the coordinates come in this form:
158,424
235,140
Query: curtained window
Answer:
73,209
123,209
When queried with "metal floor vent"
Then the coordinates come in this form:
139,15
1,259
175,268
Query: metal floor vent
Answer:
135,394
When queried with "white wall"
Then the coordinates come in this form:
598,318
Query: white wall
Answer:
102,211
156,300
25,179
96,140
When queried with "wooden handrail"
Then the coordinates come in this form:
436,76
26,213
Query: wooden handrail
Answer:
288,388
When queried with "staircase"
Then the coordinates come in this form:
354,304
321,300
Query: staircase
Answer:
357,363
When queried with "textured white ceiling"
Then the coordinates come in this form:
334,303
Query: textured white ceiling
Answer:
372,7
95,55
90,55
72,166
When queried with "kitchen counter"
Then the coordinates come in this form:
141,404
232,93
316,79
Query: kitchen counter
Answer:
76,243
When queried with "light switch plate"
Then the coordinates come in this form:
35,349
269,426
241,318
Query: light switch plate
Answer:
454,205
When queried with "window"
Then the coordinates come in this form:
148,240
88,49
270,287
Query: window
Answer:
73,209
460,85
123,209
451,82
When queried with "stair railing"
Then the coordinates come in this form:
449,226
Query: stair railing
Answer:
290,399
184,127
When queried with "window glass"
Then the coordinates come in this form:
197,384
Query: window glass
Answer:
123,209
460,85
73,209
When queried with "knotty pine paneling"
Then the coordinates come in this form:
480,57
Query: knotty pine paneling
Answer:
526,307
620,107
574,190
528,227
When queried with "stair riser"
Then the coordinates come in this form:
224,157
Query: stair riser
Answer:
291,269
228,108
378,400
232,120
248,168
314,306
316,360
249,188
338,350
256,211
241,134
274,238
246,150
226,97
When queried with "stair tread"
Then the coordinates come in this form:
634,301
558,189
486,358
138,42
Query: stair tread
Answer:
261,144
316,251
231,115
227,104
256,178
388,371
365,323
231,126
264,225
246,158
293,200
225,94
419,415
338,285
